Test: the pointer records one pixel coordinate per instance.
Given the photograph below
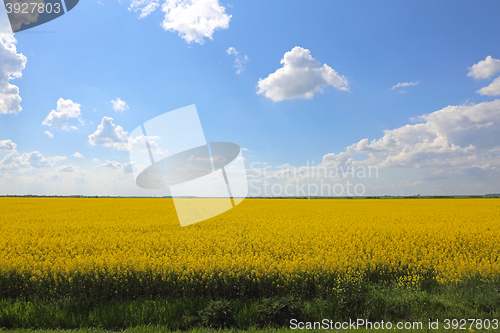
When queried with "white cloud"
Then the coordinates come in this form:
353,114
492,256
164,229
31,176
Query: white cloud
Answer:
66,109
195,20
11,66
18,176
405,84
111,164
485,68
95,160
7,145
58,158
54,179
138,143
300,77
493,89
109,135
34,159
453,136
146,7
125,167
455,150
65,168
239,61
119,105
77,155
80,181
49,134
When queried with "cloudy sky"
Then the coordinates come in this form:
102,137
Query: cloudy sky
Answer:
410,89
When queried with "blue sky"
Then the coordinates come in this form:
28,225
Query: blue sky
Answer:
291,81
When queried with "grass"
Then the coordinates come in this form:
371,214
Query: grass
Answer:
163,329
374,302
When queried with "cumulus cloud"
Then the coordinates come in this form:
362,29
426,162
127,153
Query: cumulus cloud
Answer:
125,167
449,151
111,164
49,134
65,168
453,136
405,84
146,7
493,89
138,143
300,77
239,61
54,179
77,155
80,181
65,110
34,160
11,66
193,20
7,145
109,135
485,68
119,105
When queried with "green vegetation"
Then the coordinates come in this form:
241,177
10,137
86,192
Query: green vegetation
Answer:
163,329
374,302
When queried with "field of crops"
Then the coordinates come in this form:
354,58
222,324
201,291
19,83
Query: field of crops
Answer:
125,248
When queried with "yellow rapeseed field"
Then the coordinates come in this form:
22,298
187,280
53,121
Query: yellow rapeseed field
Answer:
288,239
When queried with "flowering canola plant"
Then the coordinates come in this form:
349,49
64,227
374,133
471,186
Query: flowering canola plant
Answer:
265,244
